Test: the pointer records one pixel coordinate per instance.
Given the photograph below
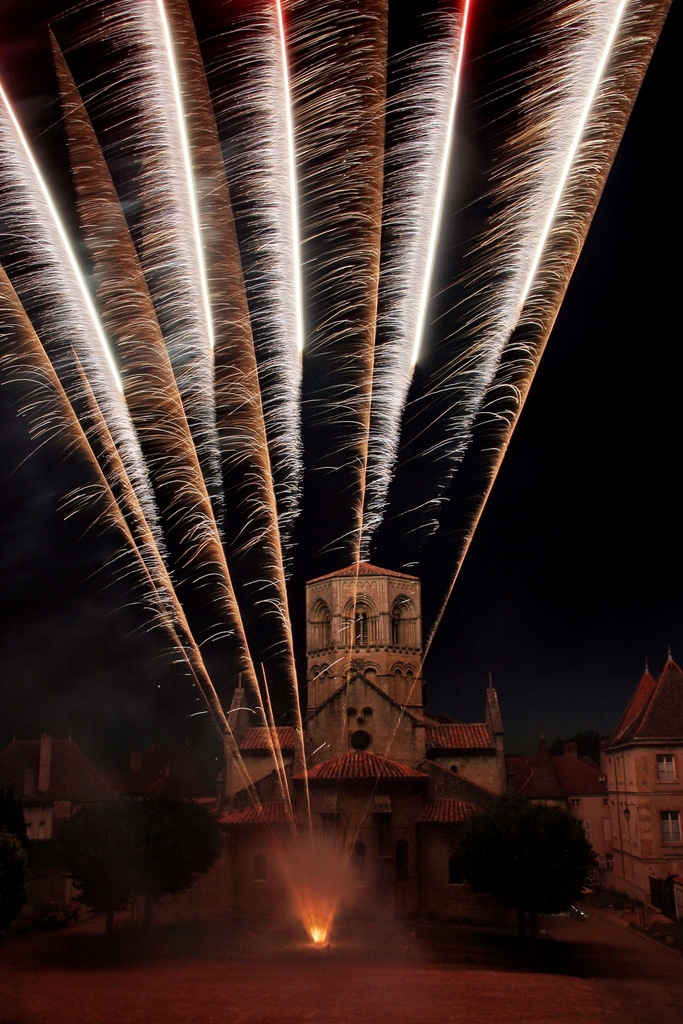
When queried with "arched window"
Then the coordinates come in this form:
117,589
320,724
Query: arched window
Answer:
401,616
360,628
320,626
259,868
402,874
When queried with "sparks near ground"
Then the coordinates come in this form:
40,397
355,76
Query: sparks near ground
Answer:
260,200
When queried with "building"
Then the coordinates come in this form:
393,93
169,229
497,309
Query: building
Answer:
643,763
374,779
52,778
574,783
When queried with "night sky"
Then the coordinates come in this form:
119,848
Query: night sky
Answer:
572,580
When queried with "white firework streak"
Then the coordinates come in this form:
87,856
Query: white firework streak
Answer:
150,388
146,97
620,59
249,90
338,51
47,277
420,121
528,185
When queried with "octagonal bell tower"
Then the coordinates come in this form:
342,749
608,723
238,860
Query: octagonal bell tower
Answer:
367,620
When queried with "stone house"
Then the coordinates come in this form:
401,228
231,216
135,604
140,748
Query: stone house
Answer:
643,763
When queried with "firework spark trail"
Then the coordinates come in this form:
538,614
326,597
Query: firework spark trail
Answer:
620,59
338,58
527,167
24,362
44,271
251,529
150,390
138,87
420,116
248,89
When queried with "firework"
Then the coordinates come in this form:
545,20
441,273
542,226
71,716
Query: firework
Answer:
266,244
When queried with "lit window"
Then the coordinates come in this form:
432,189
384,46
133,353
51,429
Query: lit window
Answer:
666,767
671,826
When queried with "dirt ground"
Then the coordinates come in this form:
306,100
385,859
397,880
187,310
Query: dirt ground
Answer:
591,970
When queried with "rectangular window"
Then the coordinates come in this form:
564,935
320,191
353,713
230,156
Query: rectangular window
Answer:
575,801
666,768
587,830
671,826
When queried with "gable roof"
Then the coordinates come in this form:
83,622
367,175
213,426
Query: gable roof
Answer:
455,737
360,764
363,569
67,774
555,776
260,738
405,712
655,711
168,770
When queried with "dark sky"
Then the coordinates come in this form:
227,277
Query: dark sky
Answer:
573,578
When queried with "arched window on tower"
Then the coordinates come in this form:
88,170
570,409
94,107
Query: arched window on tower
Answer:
360,628
402,616
320,626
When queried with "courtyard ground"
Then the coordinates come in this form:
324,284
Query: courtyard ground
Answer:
596,970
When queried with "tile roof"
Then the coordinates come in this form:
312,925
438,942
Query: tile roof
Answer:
565,776
71,775
363,569
475,736
655,712
270,812
259,738
361,764
170,770
445,812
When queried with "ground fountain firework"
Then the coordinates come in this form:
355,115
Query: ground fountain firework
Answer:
260,315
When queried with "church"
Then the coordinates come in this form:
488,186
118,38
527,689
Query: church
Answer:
369,772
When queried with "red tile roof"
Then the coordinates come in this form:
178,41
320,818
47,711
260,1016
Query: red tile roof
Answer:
361,764
655,712
263,739
445,812
171,770
363,569
71,775
556,776
272,812
475,736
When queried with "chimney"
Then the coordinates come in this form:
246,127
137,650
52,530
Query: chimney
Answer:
571,749
45,763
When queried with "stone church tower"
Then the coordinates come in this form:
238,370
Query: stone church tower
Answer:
364,663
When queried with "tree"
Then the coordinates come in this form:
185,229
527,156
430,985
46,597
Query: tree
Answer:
176,841
12,816
13,874
97,847
530,857
151,847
